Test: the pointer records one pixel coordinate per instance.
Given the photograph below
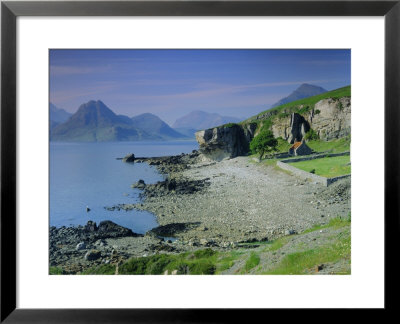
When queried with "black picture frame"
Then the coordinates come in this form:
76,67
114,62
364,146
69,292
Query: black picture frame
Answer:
11,10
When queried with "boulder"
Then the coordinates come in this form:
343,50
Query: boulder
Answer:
225,141
92,255
108,229
80,246
290,232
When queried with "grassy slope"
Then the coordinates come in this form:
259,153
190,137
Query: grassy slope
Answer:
294,106
327,166
294,254
334,146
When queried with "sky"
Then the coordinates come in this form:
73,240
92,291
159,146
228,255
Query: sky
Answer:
172,83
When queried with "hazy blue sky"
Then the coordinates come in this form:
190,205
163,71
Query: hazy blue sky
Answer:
171,83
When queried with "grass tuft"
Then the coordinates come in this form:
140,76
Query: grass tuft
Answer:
104,269
252,262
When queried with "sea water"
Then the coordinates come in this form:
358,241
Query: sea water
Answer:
89,175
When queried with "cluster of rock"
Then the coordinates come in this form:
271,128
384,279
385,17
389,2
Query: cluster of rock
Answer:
175,185
85,243
170,164
88,233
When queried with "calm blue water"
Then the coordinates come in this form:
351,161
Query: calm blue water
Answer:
87,174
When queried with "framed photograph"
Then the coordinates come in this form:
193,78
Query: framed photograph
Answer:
208,150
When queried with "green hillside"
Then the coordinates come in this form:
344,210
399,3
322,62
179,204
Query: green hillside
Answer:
300,106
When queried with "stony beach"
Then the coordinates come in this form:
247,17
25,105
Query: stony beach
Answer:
203,203
240,200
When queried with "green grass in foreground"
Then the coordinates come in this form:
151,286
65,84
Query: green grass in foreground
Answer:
208,261
251,262
303,262
336,222
104,269
326,167
55,271
226,261
276,244
199,262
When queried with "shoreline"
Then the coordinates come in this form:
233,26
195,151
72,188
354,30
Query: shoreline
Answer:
204,203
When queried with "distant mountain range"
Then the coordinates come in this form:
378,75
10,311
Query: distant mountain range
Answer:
304,91
198,120
58,115
153,125
95,122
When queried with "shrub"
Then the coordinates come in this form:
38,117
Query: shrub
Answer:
202,267
266,125
311,135
303,110
263,143
134,266
204,253
317,111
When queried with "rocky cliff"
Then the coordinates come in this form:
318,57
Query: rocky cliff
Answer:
292,128
223,142
330,119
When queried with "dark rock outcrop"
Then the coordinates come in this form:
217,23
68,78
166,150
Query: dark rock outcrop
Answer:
129,158
226,141
170,164
89,233
298,128
180,186
172,229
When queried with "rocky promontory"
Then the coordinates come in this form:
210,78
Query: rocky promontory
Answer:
329,118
